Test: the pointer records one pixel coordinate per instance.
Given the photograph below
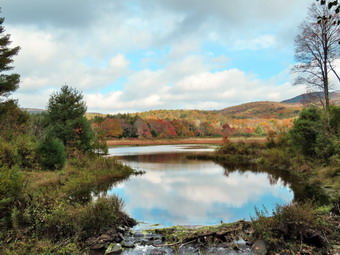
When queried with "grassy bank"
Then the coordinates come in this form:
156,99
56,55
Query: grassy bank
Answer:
136,142
54,211
310,223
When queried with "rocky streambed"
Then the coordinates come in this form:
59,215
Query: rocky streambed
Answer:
229,239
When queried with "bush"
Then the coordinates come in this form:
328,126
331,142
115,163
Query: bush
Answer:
100,215
58,219
296,223
334,119
276,157
316,133
92,174
11,184
277,139
240,148
52,154
326,146
26,147
21,151
306,130
8,154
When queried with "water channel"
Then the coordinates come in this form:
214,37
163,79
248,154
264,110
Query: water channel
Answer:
178,191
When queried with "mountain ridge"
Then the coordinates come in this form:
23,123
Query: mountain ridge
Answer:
288,108
313,97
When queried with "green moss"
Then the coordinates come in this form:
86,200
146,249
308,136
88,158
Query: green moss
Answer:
182,233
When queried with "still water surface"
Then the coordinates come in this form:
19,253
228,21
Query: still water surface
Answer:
180,191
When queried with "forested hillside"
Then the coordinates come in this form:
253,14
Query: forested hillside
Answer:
251,119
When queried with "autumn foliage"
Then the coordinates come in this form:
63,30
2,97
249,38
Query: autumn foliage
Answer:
233,121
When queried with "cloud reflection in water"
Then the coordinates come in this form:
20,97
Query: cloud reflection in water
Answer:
177,191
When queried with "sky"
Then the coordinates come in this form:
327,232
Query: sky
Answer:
134,55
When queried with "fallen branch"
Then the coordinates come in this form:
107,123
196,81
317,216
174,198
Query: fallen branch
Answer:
183,244
220,235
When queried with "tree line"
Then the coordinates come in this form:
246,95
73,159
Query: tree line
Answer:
135,126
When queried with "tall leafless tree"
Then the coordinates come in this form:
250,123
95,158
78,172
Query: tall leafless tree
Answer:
316,50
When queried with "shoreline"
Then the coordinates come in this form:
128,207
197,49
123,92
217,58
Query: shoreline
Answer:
217,141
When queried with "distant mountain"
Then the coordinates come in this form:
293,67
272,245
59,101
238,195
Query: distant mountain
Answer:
254,110
313,97
90,115
262,110
286,109
34,110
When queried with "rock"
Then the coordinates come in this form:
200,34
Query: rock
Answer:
98,246
138,234
259,248
128,245
232,252
121,229
157,242
90,241
113,249
106,237
121,236
157,252
336,249
112,232
99,243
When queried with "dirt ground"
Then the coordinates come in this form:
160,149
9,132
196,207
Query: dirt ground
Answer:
120,142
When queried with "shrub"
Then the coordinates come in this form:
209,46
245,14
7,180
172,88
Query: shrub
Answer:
240,148
20,151
306,130
326,146
334,119
11,184
52,153
277,139
291,223
90,174
276,157
316,133
27,151
99,145
100,215
8,153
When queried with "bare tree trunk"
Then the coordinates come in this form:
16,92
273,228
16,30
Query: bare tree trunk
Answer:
325,67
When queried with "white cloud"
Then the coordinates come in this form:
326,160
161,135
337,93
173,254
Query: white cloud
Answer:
158,47
260,42
150,90
119,62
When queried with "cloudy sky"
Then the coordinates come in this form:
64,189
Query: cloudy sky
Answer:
134,55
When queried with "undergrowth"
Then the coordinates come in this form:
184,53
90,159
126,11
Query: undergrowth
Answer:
293,226
53,212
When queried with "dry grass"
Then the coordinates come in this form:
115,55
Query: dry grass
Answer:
219,140
40,179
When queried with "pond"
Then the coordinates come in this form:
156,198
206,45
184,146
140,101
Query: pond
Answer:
176,190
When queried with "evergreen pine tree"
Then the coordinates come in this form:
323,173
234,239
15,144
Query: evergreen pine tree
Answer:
8,82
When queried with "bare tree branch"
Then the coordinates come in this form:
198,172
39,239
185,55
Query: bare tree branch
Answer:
316,49
331,66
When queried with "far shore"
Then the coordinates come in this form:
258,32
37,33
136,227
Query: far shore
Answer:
194,140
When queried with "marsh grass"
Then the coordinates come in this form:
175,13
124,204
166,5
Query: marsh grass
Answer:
240,148
296,223
58,207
